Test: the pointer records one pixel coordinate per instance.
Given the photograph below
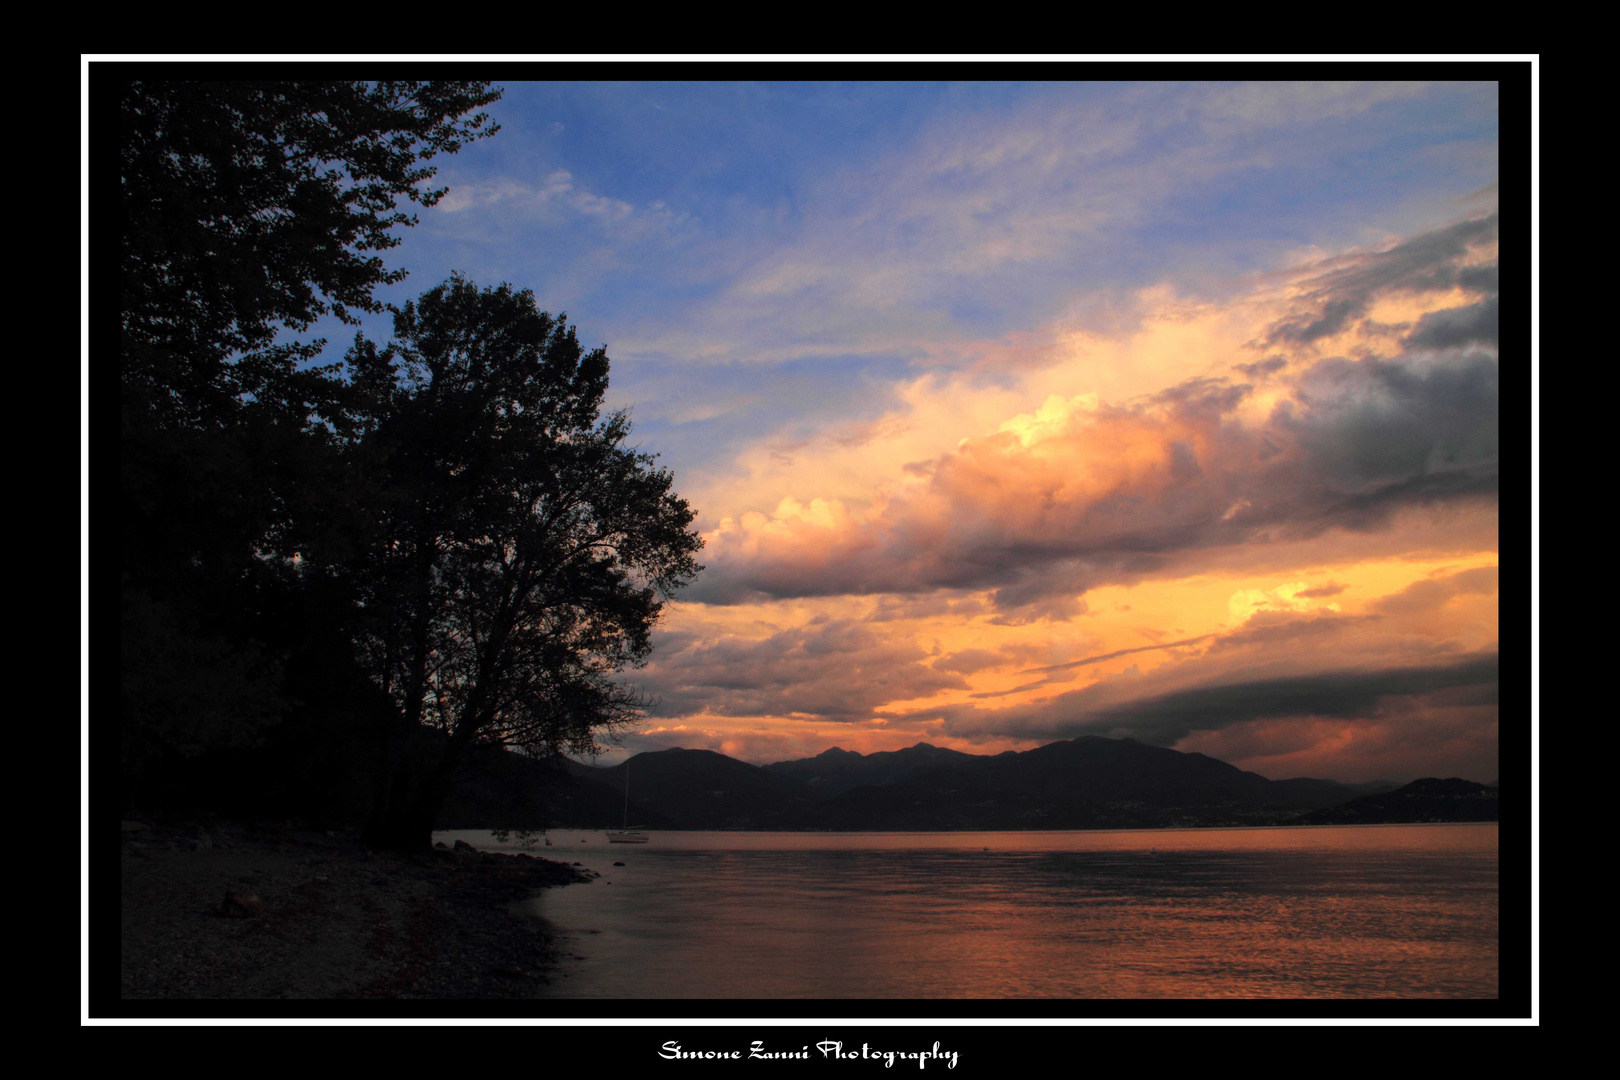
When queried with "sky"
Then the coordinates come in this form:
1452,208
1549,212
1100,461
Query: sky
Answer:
1014,412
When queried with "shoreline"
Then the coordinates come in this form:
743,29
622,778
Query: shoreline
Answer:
1009,832
244,911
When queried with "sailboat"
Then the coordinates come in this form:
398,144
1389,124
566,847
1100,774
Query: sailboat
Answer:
626,835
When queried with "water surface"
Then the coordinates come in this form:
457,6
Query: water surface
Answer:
1402,911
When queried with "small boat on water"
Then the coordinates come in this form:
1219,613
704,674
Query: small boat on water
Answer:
626,835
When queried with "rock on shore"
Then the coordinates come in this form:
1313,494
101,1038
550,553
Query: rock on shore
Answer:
270,911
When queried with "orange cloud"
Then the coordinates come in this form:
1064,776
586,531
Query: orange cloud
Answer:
1286,498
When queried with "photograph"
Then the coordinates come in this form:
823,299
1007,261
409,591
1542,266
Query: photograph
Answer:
945,543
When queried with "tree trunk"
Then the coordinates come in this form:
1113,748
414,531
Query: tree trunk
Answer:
408,832
410,795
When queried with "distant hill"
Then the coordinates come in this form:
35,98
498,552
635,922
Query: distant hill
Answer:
1085,783
1375,787
835,771
505,789
1429,799
700,789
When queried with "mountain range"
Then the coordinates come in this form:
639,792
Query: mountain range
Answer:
1085,783
1429,799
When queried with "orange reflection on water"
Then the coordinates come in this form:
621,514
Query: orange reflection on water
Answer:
1387,911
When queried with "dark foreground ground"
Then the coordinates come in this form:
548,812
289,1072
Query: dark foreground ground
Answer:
236,911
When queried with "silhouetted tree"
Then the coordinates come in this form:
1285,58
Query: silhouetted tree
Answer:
247,210
523,551
248,207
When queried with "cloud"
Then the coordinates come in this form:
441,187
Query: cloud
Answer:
1274,629
1099,658
1427,737
1342,293
1049,592
1022,385
894,607
1165,719
968,661
1080,493
1035,508
834,669
557,197
1201,658
1059,490
1436,592
1261,368
1380,433
1278,104
1451,328
989,220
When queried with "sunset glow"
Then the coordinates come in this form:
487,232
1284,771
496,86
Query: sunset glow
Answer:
1013,414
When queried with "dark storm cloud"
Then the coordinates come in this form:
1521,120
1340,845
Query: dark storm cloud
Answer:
1427,263
1204,398
1269,366
1395,431
1480,279
1164,719
1332,318
1339,695
1475,324
1042,590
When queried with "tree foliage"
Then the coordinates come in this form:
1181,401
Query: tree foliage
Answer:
252,206
247,210
443,543
522,552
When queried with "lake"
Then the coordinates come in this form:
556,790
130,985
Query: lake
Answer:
1395,911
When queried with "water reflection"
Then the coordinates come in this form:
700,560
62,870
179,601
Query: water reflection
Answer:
1391,911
